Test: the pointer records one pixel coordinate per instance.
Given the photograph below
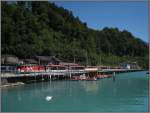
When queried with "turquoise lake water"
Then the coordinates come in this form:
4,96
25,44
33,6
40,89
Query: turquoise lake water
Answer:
127,92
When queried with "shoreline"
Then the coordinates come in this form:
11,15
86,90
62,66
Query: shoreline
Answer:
20,80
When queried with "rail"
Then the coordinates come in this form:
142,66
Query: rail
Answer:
50,72
60,72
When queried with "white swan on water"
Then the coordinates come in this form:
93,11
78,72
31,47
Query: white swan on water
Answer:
48,98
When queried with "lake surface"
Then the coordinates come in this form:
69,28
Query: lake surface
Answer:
127,92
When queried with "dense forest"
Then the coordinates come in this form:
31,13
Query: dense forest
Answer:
42,28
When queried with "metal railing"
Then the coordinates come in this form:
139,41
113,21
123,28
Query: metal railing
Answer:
48,72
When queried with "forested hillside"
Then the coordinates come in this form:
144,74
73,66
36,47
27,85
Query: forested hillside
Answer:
42,28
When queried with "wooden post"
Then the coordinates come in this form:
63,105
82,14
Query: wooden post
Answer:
114,73
50,77
42,76
70,75
114,76
35,77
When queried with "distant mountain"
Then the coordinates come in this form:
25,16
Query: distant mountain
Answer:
42,28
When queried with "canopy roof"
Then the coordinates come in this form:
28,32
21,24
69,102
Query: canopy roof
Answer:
47,58
31,61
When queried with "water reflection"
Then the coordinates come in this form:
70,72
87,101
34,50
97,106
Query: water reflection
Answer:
19,96
114,78
90,86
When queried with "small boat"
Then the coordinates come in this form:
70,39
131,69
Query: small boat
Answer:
147,72
83,77
91,79
75,78
100,76
109,76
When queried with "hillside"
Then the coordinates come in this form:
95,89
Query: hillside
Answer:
42,28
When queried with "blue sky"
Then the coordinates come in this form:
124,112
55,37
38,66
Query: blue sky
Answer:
132,16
